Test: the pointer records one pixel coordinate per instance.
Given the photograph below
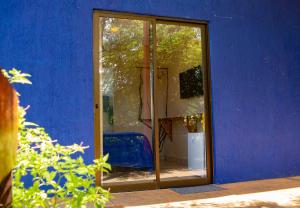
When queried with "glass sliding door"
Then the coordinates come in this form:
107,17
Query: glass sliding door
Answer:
181,106
125,55
151,95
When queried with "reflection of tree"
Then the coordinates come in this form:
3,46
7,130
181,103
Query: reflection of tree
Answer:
180,45
179,49
123,47
123,53
122,50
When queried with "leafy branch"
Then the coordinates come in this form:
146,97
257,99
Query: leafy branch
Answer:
58,175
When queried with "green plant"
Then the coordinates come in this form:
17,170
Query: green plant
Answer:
60,178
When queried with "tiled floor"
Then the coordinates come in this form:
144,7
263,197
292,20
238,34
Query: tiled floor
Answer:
277,193
169,170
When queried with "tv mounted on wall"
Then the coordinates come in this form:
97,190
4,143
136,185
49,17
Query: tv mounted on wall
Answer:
191,83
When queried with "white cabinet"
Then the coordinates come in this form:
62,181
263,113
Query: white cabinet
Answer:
196,151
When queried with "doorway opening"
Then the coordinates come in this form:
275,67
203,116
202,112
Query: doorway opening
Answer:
152,112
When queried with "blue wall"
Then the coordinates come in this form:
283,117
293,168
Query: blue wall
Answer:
255,71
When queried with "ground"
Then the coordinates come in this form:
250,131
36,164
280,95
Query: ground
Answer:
277,193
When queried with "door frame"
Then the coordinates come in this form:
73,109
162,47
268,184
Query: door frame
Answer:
98,114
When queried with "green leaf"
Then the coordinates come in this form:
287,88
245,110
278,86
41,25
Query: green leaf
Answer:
105,158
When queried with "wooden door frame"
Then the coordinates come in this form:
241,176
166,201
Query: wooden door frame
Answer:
98,114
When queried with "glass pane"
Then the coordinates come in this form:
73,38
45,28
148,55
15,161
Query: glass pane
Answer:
125,90
180,102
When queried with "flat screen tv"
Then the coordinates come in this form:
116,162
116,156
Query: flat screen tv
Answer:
191,83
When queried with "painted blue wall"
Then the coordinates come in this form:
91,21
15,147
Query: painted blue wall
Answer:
255,71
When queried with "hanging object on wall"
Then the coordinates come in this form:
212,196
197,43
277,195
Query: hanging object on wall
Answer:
191,83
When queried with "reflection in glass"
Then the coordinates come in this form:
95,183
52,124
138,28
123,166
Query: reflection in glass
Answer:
125,79
181,102
125,90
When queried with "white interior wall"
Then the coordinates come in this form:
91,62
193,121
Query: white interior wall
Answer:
177,107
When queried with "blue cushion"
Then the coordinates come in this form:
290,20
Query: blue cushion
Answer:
128,149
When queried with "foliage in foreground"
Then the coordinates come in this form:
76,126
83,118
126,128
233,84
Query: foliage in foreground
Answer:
59,176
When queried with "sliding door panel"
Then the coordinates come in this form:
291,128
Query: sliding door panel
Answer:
180,72
125,85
